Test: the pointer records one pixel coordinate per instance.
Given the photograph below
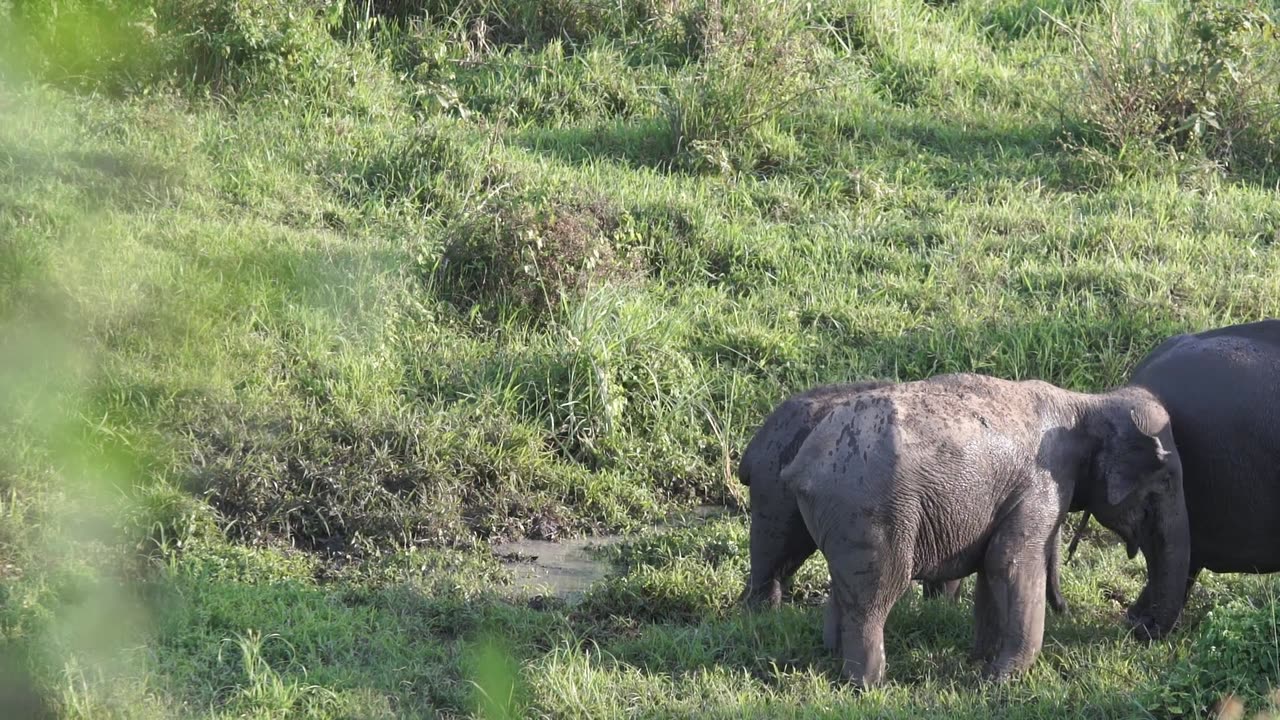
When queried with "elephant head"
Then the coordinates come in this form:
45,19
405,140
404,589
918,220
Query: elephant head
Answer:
1134,487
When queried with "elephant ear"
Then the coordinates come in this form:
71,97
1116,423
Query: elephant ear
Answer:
1133,455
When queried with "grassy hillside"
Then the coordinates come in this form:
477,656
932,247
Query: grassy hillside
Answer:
305,305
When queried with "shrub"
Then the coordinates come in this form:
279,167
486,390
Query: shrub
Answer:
122,45
1204,81
528,253
423,169
519,91
758,61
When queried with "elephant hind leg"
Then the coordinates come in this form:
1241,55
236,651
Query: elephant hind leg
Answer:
864,589
780,543
1191,580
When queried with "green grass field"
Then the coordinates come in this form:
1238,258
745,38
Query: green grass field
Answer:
305,305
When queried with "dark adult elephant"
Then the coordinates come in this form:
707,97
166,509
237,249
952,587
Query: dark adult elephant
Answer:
780,543
1222,391
942,478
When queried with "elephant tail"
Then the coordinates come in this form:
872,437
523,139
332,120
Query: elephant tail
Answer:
746,462
755,454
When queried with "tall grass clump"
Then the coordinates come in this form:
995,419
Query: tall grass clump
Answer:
128,46
916,56
758,62
222,40
1203,81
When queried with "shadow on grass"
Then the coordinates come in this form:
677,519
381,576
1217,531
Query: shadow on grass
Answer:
104,178
642,144
955,154
947,154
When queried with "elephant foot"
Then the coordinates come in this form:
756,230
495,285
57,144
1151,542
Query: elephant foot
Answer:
1144,627
864,665
999,673
1057,603
767,596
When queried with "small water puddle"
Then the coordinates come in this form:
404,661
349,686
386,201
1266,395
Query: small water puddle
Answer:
564,569
567,568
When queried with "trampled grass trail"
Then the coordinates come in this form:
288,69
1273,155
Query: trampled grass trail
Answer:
305,306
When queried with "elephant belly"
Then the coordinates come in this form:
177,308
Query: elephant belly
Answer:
948,552
1254,547
951,569
1234,517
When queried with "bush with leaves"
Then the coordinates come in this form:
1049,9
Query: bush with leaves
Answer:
223,40
123,45
1205,81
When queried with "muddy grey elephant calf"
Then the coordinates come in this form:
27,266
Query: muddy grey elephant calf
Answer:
779,541
942,478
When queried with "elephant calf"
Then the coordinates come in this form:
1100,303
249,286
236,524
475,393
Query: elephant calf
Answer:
779,541
958,474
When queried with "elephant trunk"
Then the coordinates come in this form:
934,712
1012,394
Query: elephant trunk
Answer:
1167,549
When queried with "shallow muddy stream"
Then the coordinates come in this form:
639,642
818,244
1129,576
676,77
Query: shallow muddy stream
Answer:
567,568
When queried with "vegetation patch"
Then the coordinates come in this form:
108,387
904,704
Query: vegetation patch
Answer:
759,62
1236,653
414,481
525,255
1199,81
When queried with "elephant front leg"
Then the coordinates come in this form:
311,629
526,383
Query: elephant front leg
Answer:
1009,610
1142,606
